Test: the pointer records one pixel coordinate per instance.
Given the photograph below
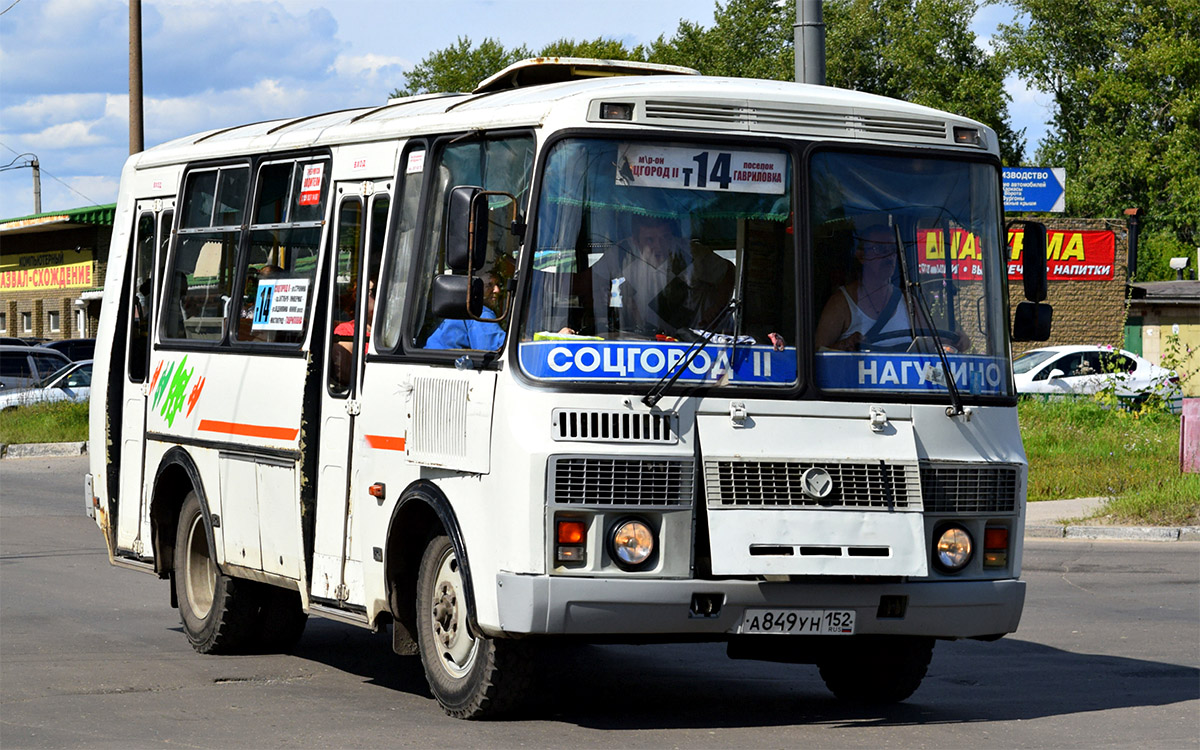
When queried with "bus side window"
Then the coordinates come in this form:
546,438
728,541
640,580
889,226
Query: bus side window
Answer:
281,261
201,276
500,164
395,277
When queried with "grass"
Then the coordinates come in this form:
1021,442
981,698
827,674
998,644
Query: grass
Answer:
58,422
1077,448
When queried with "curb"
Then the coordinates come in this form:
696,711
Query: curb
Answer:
1126,533
38,450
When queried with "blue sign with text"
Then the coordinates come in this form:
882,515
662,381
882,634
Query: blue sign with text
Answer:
651,360
911,373
1029,189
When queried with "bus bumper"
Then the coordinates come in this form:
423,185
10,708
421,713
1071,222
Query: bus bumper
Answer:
538,604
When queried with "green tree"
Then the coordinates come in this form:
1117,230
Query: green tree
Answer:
601,48
748,39
1125,85
921,51
459,67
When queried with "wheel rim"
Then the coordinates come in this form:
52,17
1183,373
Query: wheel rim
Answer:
200,576
451,636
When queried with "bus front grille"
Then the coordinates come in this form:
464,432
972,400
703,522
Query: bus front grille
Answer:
598,480
952,488
772,484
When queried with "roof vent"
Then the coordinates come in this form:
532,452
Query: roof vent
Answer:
538,71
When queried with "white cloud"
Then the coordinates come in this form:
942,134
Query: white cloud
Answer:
370,64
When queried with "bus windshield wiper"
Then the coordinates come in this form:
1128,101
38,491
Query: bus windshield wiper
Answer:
655,394
916,297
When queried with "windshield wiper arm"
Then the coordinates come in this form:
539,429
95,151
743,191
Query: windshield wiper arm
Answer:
655,394
916,297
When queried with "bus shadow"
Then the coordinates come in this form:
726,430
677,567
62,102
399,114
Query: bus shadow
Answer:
697,686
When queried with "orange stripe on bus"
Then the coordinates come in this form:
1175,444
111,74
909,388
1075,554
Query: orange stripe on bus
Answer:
385,442
249,430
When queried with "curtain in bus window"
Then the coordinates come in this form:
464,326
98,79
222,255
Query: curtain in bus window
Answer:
500,165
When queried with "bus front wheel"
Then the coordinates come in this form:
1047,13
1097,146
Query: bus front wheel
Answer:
876,669
471,676
217,614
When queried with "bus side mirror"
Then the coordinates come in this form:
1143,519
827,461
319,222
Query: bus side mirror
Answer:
466,229
1033,254
1032,322
456,297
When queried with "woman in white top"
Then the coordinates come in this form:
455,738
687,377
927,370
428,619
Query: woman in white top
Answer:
854,309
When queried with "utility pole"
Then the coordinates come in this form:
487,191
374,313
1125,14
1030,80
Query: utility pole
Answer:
37,186
809,33
137,140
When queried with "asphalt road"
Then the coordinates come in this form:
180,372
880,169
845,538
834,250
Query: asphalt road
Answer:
1108,655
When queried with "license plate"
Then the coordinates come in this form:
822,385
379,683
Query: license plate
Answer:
798,621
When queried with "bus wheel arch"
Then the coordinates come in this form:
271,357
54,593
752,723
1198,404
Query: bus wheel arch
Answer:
175,478
422,513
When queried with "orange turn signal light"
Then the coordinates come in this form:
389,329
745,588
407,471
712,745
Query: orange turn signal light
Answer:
571,531
995,538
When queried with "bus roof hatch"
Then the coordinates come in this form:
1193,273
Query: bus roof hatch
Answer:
537,71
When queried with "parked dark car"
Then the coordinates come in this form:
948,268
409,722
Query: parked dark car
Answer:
75,349
26,366
12,341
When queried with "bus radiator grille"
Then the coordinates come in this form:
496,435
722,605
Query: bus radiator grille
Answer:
602,481
773,484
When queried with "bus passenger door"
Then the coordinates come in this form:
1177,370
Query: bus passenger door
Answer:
151,232
337,569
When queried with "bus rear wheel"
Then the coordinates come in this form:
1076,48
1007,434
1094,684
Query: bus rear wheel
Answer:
877,669
471,676
217,611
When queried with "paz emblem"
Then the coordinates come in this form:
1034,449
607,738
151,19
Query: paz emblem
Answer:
816,482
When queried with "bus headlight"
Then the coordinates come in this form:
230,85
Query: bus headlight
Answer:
631,543
952,548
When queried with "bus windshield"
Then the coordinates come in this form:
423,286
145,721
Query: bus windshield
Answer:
646,248
907,259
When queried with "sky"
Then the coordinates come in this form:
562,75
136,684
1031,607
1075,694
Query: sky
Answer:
64,70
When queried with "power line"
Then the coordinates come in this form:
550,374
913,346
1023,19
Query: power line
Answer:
14,4
48,174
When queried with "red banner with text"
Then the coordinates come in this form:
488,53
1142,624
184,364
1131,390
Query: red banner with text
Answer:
1084,255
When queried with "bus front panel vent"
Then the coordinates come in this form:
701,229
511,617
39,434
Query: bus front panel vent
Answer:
590,425
967,488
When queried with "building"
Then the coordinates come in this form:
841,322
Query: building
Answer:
52,272
1164,327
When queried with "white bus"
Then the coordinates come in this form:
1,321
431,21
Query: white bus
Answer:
647,356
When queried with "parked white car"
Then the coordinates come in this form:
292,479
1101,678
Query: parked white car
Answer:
1089,369
71,383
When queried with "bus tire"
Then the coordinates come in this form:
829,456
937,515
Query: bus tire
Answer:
471,676
218,612
877,669
281,619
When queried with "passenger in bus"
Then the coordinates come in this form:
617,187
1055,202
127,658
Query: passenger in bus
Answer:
343,334
655,284
873,310
475,334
